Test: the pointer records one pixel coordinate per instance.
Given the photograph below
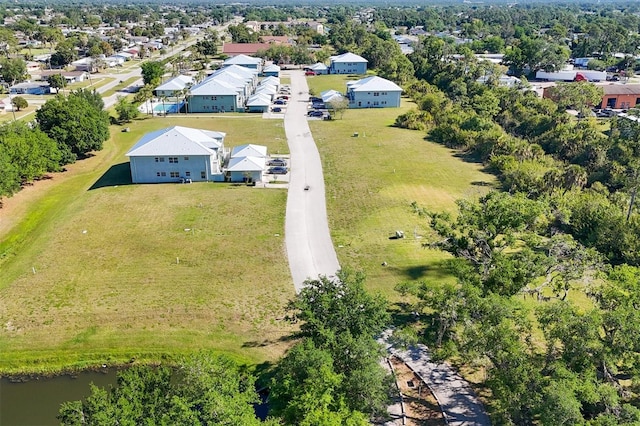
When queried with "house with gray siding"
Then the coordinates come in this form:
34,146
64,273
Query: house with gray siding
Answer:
244,61
177,154
373,92
348,63
215,96
174,87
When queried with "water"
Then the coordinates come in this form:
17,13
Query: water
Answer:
166,108
36,402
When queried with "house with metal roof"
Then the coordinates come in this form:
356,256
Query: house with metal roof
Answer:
348,63
319,68
373,92
259,102
271,71
245,169
177,154
244,61
174,86
249,150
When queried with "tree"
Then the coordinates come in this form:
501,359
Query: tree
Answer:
13,70
337,306
152,72
57,81
580,95
338,106
126,110
19,103
75,122
205,390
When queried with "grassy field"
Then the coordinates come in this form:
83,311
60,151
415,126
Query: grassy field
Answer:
373,178
120,86
97,270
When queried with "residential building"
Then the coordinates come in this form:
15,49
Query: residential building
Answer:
247,163
271,71
177,154
319,68
259,102
373,92
244,61
348,63
174,86
226,90
36,88
85,64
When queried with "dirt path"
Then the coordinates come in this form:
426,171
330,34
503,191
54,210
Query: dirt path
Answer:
420,406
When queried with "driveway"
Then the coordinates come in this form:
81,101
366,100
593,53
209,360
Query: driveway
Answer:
309,246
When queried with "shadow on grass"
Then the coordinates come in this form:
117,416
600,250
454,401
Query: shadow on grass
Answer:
434,270
118,174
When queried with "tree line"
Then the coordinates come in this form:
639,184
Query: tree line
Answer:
546,270
66,128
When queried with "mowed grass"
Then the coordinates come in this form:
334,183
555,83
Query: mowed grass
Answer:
96,270
373,178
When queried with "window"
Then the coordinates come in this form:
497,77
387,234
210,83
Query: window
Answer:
159,159
203,175
173,160
376,94
187,174
186,158
174,174
158,174
637,101
163,173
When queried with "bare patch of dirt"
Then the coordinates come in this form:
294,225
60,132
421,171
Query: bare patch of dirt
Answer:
420,405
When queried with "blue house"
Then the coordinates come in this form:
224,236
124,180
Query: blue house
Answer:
373,92
244,61
215,96
177,154
271,71
348,63
39,88
174,87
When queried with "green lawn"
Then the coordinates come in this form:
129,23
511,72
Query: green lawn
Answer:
97,270
120,86
372,180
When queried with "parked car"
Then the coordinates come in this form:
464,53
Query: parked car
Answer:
276,109
285,97
310,72
315,99
280,102
318,105
277,162
278,170
315,113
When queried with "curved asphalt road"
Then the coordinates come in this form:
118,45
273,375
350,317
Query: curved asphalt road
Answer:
309,246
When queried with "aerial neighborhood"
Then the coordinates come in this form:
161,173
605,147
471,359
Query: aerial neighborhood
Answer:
320,214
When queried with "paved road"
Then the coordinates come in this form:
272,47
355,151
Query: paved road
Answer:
309,246
458,401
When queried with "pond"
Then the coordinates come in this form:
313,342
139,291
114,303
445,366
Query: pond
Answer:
36,402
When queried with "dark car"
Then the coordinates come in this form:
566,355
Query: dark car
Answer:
278,170
276,109
277,162
315,113
315,99
318,105
285,97
280,102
